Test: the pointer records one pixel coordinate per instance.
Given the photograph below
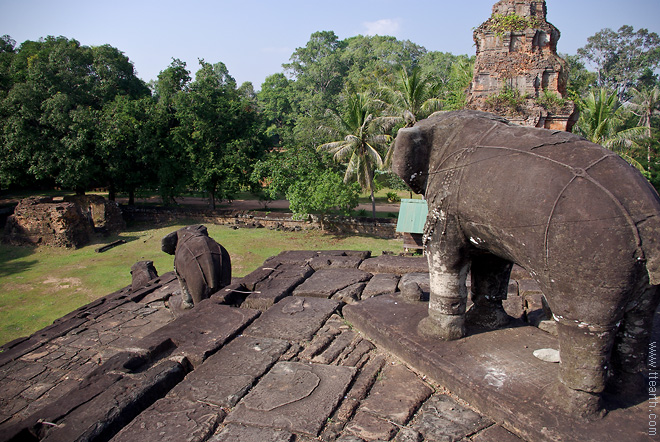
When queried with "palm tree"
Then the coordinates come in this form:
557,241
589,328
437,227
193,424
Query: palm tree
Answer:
601,120
365,138
411,97
645,103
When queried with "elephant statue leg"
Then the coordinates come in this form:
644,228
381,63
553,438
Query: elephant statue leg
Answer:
448,268
187,301
490,284
631,344
584,351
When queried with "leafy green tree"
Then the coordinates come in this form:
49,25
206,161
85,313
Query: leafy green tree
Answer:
580,80
375,60
172,164
622,57
364,140
321,193
7,53
50,113
131,143
218,129
276,106
602,121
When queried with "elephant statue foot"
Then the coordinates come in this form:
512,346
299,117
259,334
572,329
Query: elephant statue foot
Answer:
490,316
585,405
443,327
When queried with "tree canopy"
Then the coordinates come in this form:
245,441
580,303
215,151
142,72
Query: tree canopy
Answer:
77,117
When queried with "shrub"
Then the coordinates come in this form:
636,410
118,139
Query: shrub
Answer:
551,101
392,197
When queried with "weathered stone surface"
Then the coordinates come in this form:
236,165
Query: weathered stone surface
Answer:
202,331
407,434
335,348
277,285
495,433
291,257
368,427
442,418
225,377
415,286
364,380
294,396
130,394
43,221
380,284
244,433
173,419
325,283
293,319
64,222
330,261
398,265
397,395
547,354
350,294
495,372
525,60
141,273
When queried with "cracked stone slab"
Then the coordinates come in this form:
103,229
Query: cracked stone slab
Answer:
495,433
293,319
495,372
203,330
242,433
380,284
173,419
329,261
397,395
442,418
294,396
224,378
326,282
399,265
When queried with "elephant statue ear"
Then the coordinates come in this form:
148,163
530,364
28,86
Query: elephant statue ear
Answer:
168,243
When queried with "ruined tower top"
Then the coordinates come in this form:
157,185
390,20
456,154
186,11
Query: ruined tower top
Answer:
523,8
518,73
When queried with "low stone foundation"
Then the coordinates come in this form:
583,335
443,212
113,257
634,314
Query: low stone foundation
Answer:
383,227
63,222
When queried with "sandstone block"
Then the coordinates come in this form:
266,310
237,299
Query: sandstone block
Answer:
294,396
293,319
325,283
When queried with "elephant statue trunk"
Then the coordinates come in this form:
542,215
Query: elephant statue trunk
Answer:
577,217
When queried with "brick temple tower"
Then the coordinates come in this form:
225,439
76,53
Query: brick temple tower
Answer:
518,73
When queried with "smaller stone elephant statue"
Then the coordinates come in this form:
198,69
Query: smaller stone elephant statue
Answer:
202,265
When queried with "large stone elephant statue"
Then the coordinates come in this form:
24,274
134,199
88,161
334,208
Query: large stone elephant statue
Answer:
581,220
202,265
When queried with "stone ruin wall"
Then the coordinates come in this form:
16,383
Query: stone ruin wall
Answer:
525,60
62,222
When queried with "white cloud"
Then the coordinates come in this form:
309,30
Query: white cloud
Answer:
386,26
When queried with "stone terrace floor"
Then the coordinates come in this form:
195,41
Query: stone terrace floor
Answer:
269,358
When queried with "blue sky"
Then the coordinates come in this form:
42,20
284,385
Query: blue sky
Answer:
253,38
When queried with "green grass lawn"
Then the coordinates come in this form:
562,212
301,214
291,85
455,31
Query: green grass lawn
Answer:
41,284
